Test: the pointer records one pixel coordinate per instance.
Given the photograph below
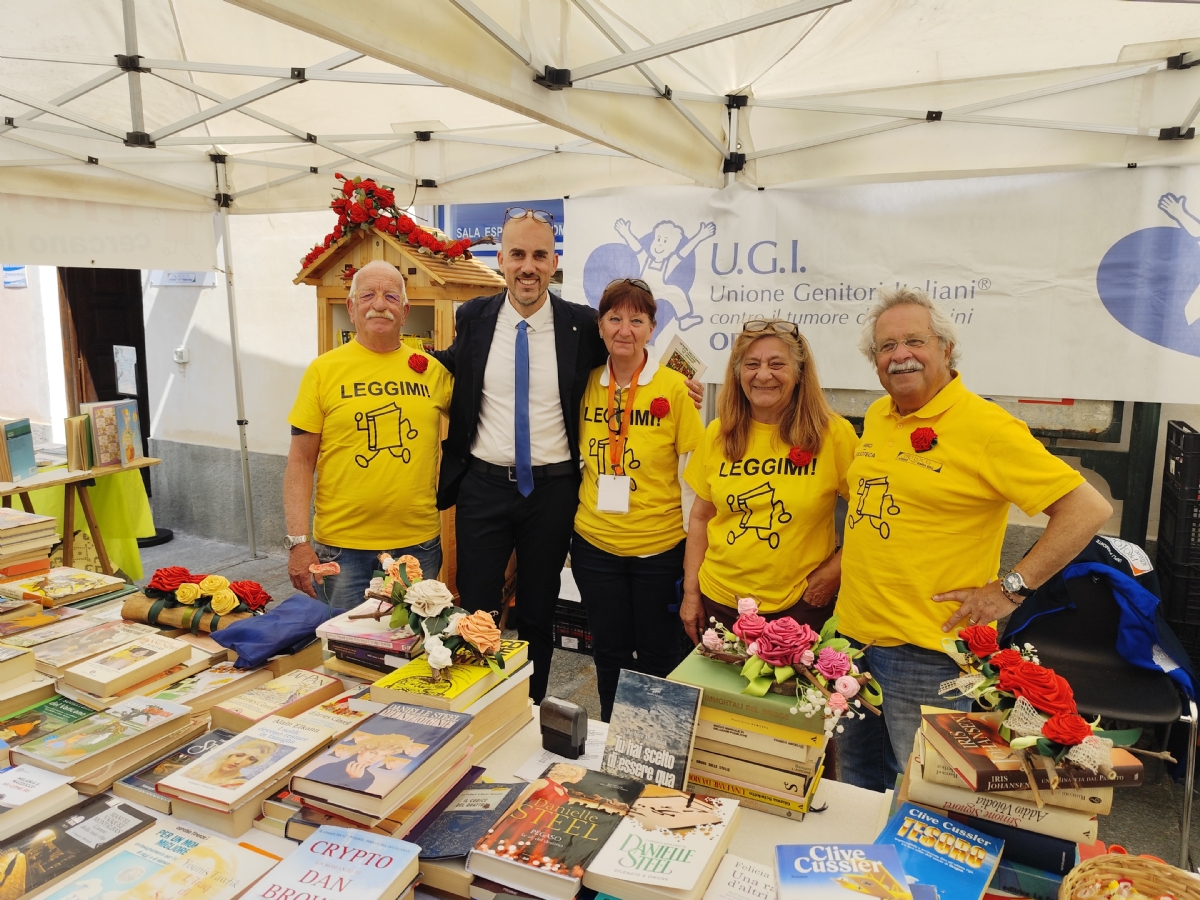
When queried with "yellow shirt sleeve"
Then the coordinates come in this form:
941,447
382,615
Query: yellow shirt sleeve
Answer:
696,473
845,440
306,413
1020,469
442,387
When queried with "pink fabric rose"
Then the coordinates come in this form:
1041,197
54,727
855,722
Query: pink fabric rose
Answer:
746,605
832,663
836,701
846,686
752,648
777,643
749,626
712,640
806,658
806,638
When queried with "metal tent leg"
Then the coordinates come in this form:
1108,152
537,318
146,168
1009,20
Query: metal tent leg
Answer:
1189,780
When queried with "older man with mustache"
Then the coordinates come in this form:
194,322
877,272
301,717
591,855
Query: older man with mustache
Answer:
367,422
931,483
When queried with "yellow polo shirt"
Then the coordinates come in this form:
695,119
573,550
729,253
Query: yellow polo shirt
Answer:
924,523
380,431
774,521
654,523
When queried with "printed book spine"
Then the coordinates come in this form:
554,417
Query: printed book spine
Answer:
1026,881
724,767
703,782
798,737
1029,848
770,760
707,729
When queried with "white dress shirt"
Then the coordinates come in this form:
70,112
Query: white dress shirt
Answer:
495,437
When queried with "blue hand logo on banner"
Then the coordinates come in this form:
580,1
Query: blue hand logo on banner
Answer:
664,258
1150,280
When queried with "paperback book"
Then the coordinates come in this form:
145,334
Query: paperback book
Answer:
16,666
838,871
39,627
198,662
336,714
62,585
17,697
937,851
55,657
285,696
651,729
41,719
369,632
108,673
205,689
15,522
460,686
741,879
467,819
141,786
29,795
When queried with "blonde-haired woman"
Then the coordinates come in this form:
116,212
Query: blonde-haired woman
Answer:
225,771
766,477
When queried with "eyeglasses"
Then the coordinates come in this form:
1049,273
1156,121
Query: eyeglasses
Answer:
779,326
916,342
636,282
520,212
392,298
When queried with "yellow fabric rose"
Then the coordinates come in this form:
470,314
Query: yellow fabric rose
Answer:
188,593
213,583
224,602
479,629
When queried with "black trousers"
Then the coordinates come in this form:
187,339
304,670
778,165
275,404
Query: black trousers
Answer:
628,602
491,521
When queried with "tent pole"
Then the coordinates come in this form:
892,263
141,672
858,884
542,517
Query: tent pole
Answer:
227,254
731,140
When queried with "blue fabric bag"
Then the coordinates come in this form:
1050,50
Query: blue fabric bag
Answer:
288,628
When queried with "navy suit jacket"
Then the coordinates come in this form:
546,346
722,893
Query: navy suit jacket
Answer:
577,345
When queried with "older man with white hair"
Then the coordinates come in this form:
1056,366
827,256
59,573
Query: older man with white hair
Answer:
366,421
932,478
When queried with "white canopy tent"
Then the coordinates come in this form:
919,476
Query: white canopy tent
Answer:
201,105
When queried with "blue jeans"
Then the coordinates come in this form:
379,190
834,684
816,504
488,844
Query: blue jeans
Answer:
874,750
345,590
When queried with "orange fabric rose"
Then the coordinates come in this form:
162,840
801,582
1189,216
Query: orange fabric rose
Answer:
412,569
480,631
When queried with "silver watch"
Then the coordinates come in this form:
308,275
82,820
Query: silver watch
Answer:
1014,584
294,540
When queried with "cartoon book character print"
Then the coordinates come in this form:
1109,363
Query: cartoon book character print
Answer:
598,450
387,429
760,512
875,504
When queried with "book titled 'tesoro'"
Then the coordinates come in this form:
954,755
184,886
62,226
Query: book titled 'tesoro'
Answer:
837,871
937,851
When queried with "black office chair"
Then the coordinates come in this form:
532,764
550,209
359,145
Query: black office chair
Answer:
1080,644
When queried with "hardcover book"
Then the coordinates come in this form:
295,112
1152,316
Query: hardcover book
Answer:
141,786
62,585
378,765
651,729
467,819
285,696
205,689
543,844
18,456
972,744
336,714
937,851
55,657
669,840
342,863
42,625
106,440
41,719
839,871
368,632
462,683
48,852
227,774
741,879
111,672
383,661
29,795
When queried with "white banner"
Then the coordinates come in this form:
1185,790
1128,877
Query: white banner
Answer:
1073,285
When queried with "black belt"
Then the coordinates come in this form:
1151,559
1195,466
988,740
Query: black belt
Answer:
509,473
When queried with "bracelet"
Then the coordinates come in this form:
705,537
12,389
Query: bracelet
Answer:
1015,601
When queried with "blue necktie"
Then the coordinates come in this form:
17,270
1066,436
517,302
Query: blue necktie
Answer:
524,458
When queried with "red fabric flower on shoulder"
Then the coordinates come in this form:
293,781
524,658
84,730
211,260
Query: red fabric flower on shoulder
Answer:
660,407
923,438
169,579
799,457
980,639
418,363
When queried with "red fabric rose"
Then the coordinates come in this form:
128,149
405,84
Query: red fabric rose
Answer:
358,213
1048,692
169,579
749,626
340,205
455,250
405,225
799,457
368,184
1009,657
418,363
981,639
414,236
338,231
923,438
195,578
1067,729
385,197
349,188
660,407
251,593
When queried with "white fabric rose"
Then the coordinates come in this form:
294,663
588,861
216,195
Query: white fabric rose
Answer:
439,657
428,598
452,625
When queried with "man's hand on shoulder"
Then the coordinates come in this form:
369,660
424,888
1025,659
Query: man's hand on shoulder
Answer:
695,391
300,558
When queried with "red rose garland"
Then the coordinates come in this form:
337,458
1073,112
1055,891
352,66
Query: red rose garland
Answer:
418,363
923,438
1046,691
660,407
799,457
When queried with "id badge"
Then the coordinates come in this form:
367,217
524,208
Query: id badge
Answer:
612,494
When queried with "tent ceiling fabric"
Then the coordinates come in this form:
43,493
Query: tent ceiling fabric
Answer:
835,91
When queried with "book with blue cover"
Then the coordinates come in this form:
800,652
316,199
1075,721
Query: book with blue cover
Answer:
18,451
839,872
938,851
467,819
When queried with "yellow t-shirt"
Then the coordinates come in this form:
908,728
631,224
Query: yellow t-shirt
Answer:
924,523
379,424
654,523
774,521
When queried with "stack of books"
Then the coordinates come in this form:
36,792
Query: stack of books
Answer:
286,696
751,748
25,543
29,795
365,647
64,585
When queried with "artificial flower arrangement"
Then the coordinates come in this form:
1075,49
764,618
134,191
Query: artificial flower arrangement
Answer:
1039,717
424,606
362,202
174,587
786,657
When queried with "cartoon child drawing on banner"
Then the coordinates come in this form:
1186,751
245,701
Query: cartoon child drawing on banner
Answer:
1175,206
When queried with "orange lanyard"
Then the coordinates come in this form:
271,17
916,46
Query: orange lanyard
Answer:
616,442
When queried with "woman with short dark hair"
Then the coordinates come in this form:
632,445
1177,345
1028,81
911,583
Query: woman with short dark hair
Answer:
637,427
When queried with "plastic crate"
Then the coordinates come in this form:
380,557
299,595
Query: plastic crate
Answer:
571,628
1179,530
1180,588
1189,638
1181,464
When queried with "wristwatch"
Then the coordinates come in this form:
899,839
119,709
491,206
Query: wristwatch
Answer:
294,540
1014,585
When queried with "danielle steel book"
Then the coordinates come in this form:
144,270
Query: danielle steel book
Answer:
546,841
669,840
651,730
839,872
377,766
341,864
285,696
140,787
224,776
937,851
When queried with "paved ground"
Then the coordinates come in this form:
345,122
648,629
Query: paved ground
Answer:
1144,820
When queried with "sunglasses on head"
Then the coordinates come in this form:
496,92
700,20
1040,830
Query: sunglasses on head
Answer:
520,212
636,282
779,326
